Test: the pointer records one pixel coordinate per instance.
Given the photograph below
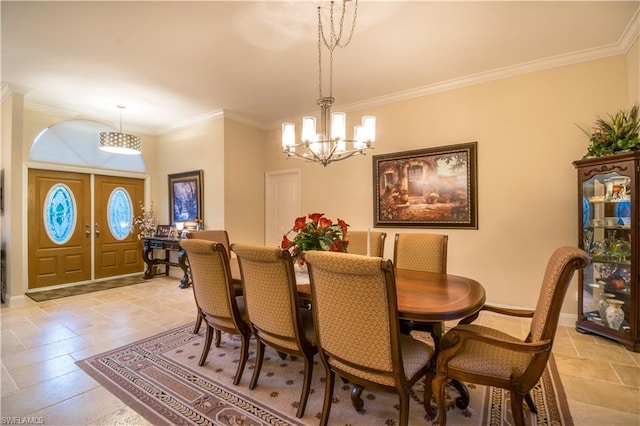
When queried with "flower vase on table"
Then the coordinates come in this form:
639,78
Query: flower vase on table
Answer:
317,233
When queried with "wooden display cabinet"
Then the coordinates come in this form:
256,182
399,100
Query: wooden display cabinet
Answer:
609,223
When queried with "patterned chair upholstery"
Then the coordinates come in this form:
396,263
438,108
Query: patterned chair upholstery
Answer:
421,252
221,236
213,289
271,300
358,243
478,354
358,337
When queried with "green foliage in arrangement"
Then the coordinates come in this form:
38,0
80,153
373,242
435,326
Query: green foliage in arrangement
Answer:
619,133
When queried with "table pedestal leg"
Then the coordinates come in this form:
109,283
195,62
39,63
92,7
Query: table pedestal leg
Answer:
146,257
182,261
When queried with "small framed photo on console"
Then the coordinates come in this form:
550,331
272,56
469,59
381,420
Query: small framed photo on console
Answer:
162,231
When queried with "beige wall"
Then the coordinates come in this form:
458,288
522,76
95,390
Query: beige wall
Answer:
633,71
244,182
194,148
527,140
10,160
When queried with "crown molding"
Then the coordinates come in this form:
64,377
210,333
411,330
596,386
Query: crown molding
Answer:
630,35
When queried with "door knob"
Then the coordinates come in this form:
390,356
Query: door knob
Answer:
87,229
97,229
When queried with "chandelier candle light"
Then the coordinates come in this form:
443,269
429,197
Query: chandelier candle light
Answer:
120,143
330,144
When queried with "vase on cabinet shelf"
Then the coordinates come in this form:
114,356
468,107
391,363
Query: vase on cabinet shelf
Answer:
615,314
603,304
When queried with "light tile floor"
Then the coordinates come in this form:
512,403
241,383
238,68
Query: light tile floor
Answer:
40,343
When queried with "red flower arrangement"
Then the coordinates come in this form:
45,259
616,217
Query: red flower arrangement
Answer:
320,233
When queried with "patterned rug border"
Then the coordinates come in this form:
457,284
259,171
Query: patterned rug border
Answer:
128,369
58,293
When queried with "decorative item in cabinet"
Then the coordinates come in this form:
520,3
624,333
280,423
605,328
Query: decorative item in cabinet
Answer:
609,287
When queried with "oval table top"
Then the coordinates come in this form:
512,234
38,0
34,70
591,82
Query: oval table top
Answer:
431,297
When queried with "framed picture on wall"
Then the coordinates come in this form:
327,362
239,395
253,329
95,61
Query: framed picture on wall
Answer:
427,188
186,197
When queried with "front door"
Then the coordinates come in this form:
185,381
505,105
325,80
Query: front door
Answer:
117,249
61,231
59,228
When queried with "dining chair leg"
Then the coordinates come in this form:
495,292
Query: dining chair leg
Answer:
356,399
199,320
516,408
244,354
428,394
218,335
207,345
306,384
328,396
258,366
530,403
437,386
404,409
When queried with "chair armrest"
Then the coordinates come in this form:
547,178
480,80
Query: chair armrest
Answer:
523,313
454,340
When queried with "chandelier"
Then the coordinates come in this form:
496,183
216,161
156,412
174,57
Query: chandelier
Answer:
329,143
120,143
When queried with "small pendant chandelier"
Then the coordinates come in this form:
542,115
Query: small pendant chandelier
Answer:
120,143
330,143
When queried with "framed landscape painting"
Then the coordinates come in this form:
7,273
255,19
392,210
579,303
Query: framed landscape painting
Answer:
427,188
185,196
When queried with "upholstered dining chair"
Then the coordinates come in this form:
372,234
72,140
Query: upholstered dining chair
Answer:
221,236
358,337
421,252
478,354
213,289
358,243
271,300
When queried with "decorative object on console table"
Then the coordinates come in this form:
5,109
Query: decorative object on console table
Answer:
186,197
427,188
320,233
145,222
609,230
163,231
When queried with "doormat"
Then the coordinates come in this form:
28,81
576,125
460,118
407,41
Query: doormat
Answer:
159,377
43,296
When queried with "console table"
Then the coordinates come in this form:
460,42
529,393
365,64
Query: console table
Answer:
167,245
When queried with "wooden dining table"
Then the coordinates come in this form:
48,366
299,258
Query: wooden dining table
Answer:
430,297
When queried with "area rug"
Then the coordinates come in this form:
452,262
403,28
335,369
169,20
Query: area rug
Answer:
159,377
42,296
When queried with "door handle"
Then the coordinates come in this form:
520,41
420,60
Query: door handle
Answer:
87,229
97,229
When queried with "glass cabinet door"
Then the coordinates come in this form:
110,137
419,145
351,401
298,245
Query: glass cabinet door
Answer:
607,237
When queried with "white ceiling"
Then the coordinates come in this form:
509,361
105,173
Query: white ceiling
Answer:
172,63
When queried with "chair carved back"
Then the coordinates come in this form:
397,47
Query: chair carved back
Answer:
356,333
212,284
421,252
358,242
560,268
218,235
270,294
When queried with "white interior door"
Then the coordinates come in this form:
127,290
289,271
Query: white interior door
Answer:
282,204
